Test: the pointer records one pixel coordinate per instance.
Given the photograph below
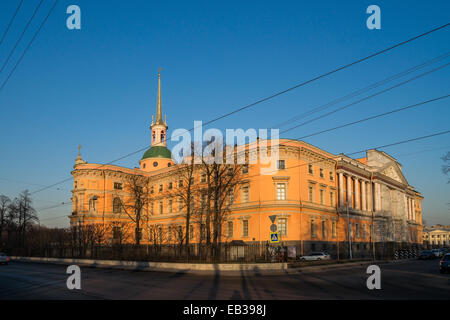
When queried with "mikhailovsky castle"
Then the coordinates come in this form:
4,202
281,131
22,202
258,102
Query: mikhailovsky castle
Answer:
321,201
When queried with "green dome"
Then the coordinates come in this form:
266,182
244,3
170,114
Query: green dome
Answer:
157,152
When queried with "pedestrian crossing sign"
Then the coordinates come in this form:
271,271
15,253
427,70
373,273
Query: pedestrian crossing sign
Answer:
274,237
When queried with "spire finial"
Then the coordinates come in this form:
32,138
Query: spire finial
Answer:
79,149
158,119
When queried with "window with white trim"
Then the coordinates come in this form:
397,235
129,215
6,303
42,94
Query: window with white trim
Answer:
281,191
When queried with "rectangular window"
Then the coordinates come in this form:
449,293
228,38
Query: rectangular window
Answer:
180,204
203,178
310,194
245,228
245,168
331,176
333,229
152,190
364,233
117,232
170,186
191,232
180,183
322,197
321,172
281,191
310,169
203,231
160,188
245,194
230,197
313,229
331,198
282,226
230,229
170,206
152,208
161,207
324,229
357,230
281,164
169,233
117,186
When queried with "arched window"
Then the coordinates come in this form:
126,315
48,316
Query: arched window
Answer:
162,135
117,205
154,136
93,203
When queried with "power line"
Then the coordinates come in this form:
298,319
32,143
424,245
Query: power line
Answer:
363,90
54,206
21,36
327,73
376,116
366,98
271,96
10,22
29,45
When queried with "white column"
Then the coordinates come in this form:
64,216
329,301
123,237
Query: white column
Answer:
349,191
363,193
341,189
369,197
356,193
413,209
377,204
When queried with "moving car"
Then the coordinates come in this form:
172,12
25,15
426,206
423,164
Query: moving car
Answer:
316,256
444,264
4,259
426,255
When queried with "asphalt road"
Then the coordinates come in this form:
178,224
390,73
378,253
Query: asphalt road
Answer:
404,280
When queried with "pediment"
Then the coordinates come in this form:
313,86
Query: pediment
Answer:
393,171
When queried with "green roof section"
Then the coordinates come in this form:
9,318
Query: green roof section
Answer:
157,152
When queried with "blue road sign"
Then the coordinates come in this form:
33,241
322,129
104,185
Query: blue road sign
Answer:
274,237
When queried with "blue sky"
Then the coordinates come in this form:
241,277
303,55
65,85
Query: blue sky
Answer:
97,86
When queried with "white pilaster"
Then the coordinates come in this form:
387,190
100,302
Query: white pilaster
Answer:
341,189
356,193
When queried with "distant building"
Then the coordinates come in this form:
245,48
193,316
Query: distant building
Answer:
321,201
437,235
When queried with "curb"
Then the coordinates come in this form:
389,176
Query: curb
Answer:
198,268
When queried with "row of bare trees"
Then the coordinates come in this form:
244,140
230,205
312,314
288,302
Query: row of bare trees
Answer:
17,217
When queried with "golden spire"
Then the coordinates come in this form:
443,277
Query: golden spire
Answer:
158,119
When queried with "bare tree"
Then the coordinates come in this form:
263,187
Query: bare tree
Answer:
4,206
24,215
134,205
222,177
186,191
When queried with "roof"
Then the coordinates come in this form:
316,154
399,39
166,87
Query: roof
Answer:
157,152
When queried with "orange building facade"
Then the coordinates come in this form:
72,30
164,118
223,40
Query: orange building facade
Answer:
321,201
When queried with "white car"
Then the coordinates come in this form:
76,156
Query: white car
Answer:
4,259
316,256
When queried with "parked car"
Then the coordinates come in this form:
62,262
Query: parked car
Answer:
444,264
426,255
437,253
316,256
4,259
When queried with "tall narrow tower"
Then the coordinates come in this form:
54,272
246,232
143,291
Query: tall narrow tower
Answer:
158,156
